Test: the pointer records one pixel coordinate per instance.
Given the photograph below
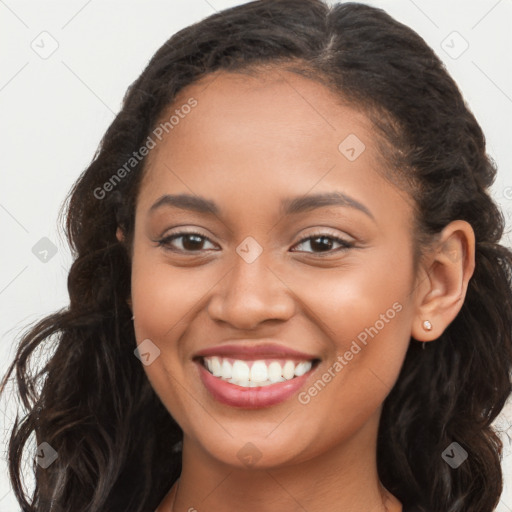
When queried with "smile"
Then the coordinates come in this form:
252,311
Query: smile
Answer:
250,374
253,384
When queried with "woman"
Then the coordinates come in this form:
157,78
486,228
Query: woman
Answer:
288,290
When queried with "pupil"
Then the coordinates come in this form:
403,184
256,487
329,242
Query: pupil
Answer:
195,244
324,239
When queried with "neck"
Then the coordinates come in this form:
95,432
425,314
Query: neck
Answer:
344,478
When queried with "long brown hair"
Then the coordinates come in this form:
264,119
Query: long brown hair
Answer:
118,447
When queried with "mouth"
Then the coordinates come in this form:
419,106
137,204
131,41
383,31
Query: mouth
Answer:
253,383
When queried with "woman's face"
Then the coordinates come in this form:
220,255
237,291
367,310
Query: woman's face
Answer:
277,279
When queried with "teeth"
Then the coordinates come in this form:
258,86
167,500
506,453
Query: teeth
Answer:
216,368
302,368
241,371
274,372
288,370
226,369
258,374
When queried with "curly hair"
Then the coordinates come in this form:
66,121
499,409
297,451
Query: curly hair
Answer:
118,447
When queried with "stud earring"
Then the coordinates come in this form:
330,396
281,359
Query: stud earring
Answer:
133,317
427,325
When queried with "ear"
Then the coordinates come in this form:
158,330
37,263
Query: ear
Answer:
443,280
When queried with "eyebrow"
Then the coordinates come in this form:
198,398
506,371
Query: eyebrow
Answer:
289,206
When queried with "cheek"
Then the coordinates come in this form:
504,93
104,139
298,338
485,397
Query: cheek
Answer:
365,312
356,300
369,329
163,301
165,297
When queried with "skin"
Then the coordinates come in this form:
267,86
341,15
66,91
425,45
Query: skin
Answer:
249,142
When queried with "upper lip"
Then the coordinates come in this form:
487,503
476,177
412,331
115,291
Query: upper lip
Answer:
247,349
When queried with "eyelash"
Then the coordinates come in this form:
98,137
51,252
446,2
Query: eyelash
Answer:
165,242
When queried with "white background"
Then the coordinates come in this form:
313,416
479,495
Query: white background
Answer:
55,110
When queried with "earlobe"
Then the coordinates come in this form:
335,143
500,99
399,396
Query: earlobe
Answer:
448,269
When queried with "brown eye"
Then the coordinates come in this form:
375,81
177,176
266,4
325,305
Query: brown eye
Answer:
323,243
191,242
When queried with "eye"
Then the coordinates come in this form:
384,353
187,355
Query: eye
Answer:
324,243
191,241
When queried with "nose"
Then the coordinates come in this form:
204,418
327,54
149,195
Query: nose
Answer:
251,293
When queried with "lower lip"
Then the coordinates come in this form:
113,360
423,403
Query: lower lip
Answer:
250,398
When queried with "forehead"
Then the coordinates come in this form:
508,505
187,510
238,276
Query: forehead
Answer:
276,110
260,135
